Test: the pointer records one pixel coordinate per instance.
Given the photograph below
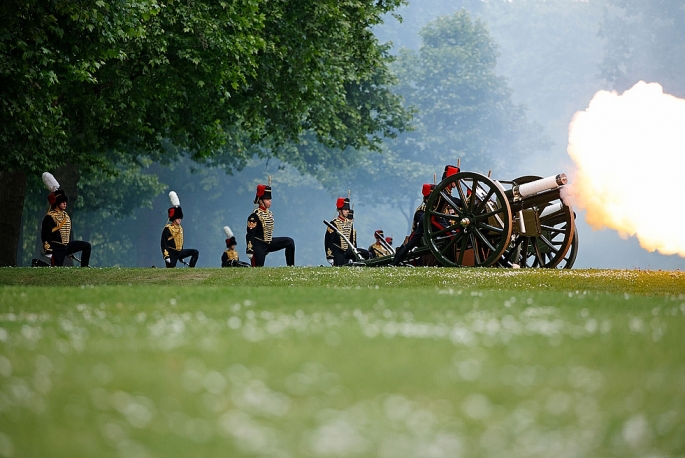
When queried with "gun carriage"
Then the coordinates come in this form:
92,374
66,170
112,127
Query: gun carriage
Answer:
472,220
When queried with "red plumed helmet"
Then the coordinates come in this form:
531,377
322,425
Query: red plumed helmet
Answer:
263,192
427,189
450,170
343,203
378,234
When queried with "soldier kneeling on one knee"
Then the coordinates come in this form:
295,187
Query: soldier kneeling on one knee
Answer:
172,237
230,257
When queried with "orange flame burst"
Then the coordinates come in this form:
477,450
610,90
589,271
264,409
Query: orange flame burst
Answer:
629,151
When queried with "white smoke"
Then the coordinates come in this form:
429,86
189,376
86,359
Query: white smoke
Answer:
629,150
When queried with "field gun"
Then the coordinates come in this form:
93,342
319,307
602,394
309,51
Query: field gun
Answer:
522,222
472,220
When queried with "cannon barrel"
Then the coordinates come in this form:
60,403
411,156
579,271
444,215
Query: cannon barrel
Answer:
537,186
536,192
551,209
535,199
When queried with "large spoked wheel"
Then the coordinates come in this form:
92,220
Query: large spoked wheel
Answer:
570,257
545,236
467,222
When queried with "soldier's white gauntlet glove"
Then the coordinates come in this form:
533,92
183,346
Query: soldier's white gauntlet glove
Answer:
249,256
167,260
330,261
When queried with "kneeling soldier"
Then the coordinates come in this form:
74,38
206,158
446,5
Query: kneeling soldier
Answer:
260,228
416,237
338,251
172,237
56,228
378,249
230,257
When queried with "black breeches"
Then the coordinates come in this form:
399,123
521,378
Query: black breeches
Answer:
184,253
261,249
340,257
59,252
415,240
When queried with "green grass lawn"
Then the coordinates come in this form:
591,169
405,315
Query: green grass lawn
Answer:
323,362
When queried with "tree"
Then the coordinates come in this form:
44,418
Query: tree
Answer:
81,78
464,110
644,41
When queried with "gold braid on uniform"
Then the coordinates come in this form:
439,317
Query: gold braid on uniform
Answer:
380,250
267,219
63,224
176,235
345,227
232,255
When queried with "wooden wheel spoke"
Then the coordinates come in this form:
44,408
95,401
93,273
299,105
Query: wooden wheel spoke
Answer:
476,251
450,200
485,200
451,243
488,227
549,244
487,215
472,200
484,239
442,215
450,228
556,230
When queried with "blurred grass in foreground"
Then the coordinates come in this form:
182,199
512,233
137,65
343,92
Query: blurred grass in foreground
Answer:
341,363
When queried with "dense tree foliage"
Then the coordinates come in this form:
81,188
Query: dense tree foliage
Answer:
464,110
82,78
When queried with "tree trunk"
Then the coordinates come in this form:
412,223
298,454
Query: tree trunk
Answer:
12,193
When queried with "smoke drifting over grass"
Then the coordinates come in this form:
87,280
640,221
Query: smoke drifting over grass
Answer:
629,150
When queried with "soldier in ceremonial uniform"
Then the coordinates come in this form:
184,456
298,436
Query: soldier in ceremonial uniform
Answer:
416,237
338,251
260,228
172,237
448,172
378,249
441,203
56,228
230,257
